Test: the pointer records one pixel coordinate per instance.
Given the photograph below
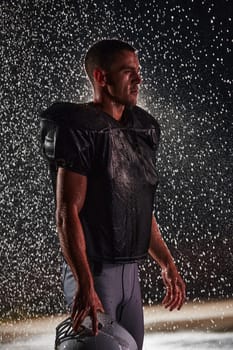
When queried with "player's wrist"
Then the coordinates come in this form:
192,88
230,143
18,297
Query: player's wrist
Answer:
86,285
169,264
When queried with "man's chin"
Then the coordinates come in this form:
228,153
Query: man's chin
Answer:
131,104
133,100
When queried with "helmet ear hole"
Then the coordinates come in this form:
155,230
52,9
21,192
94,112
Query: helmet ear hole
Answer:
100,326
110,336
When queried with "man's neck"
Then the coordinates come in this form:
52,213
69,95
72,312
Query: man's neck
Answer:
115,110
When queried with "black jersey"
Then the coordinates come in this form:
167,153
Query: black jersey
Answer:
118,158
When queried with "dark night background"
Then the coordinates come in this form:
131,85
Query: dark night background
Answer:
185,50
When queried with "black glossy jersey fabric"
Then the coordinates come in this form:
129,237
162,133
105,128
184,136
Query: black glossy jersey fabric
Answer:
118,158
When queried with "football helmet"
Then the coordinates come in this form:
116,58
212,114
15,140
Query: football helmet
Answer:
111,336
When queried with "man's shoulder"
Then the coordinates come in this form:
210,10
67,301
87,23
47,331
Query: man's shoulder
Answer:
77,115
145,118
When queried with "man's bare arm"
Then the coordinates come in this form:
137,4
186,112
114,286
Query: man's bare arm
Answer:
175,295
70,194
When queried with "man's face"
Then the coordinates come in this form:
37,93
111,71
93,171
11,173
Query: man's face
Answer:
123,78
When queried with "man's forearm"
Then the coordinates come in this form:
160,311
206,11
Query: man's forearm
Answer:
175,286
73,245
158,248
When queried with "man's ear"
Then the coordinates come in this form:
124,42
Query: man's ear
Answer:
99,76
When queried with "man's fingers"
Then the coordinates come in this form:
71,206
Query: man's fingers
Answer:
79,318
84,307
180,302
169,299
174,297
73,313
175,290
177,297
167,296
101,309
182,296
167,283
94,322
175,301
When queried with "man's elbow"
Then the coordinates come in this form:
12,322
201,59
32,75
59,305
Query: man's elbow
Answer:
65,215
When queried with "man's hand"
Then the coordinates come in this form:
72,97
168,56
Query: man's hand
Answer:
86,303
175,286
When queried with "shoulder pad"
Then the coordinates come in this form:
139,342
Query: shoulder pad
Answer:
146,120
67,141
80,116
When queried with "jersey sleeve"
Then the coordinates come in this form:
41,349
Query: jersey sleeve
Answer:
67,147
